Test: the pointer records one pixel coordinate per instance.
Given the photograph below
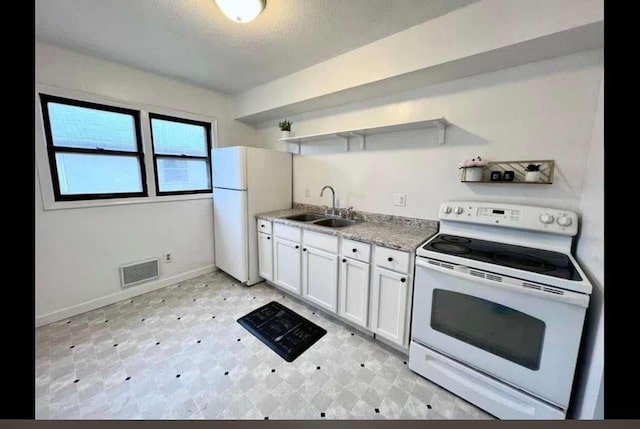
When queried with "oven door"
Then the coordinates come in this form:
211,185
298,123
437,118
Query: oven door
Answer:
525,337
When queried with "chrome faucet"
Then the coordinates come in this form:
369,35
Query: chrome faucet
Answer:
333,207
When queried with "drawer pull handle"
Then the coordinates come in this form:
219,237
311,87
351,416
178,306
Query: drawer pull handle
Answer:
304,249
297,247
268,238
354,250
403,280
389,259
344,260
261,226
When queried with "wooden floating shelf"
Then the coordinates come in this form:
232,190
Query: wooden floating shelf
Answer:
547,170
362,133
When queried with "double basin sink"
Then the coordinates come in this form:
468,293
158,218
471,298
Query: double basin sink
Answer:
323,220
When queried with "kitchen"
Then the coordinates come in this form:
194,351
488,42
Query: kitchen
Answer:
371,165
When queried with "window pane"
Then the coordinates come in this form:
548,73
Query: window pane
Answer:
500,330
176,138
182,174
98,174
74,126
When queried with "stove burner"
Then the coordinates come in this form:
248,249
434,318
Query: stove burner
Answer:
523,258
454,239
452,248
528,262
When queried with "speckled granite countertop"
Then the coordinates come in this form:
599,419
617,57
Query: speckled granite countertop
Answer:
401,233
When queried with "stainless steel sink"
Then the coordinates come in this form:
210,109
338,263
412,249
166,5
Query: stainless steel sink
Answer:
335,222
306,217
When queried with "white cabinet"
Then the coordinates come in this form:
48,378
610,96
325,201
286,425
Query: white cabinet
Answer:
354,291
395,260
265,256
366,285
389,304
286,264
320,277
356,250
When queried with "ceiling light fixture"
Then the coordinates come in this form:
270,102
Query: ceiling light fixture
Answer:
241,11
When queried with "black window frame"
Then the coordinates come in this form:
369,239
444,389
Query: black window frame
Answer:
52,150
207,127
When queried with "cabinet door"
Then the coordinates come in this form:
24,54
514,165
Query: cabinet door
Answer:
389,304
354,291
265,256
320,277
286,265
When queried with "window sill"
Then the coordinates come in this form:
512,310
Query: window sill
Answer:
68,205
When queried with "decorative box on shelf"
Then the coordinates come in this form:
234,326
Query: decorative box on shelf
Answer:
512,172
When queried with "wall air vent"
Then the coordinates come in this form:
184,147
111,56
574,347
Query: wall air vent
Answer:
139,272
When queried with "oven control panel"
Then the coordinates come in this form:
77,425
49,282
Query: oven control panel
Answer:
533,218
499,213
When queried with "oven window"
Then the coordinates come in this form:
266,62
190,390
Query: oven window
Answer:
495,328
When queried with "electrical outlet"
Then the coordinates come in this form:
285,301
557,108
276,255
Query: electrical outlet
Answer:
307,193
399,199
168,257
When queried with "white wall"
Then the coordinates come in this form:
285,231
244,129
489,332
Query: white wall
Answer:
590,254
69,69
78,251
480,27
540,110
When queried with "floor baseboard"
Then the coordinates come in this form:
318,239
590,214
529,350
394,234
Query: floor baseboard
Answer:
119,296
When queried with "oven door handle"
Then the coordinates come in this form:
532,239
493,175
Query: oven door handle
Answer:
463,273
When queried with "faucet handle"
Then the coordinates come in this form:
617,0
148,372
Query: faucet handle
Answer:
346,212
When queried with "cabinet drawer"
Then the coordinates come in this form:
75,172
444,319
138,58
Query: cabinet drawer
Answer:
395,260
285,231
328,243
356,250
264,226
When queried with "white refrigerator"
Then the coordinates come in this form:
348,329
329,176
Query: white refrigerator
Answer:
246,181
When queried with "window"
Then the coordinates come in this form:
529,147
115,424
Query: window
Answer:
500,330
95,151
181,154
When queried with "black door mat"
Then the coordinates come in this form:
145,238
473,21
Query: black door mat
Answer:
283,330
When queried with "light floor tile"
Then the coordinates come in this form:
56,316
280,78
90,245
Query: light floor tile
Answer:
126,358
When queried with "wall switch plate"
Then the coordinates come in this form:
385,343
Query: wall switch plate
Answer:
307,193
399,199
168,257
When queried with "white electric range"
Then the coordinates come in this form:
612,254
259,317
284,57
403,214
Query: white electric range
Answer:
499,306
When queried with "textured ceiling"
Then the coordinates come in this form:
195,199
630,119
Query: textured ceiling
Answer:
193,41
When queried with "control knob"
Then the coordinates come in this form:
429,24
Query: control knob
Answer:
446,209
564,221
458,210
546,218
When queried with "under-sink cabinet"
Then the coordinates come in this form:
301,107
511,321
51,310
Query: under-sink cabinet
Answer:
354,291
320,269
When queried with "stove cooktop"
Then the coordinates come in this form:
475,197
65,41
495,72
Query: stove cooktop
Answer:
538,261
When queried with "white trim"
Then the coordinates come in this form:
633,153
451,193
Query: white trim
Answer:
42,159
67,205
62,91
119,296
